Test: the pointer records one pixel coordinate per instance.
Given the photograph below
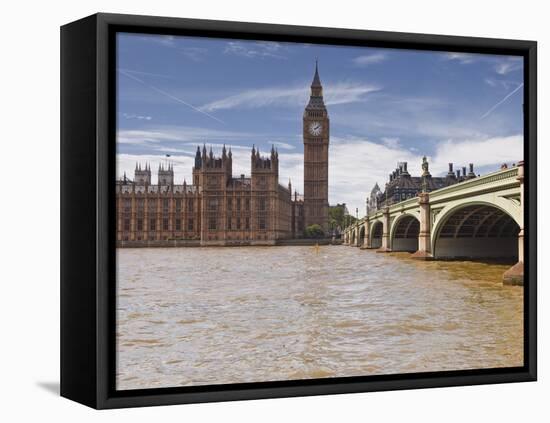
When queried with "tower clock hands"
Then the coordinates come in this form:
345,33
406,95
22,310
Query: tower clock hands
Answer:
315,128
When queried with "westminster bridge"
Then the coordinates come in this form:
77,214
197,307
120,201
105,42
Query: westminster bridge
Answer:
477,218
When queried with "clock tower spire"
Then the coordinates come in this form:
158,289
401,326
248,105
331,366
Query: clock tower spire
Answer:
316,144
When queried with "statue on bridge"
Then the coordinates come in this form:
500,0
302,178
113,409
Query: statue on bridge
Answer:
425,167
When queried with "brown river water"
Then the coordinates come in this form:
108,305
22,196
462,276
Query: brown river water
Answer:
195,316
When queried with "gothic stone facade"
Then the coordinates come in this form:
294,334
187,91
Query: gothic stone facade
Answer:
402,185
220,209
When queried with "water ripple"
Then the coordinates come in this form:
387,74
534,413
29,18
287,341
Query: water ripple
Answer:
226,315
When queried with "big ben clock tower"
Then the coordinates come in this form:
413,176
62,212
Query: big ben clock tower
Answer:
316,142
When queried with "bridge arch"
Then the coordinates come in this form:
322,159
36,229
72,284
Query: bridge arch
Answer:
361,238
404,233
477,229
376,231
353,238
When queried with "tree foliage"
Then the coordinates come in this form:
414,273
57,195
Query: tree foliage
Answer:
314,231
338,219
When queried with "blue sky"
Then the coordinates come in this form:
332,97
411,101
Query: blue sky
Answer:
385,106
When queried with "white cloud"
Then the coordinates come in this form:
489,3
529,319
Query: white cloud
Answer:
501,64
165,40
391,142
508,65
258,98
339,93
462,58
369,59
163,134
254,49
195,54
507,84
487,152
134,116
348,92
407,117
356,164
282,145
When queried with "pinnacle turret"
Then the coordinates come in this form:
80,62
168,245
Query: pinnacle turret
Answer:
316,97
316,80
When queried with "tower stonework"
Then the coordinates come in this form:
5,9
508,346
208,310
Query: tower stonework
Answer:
316,145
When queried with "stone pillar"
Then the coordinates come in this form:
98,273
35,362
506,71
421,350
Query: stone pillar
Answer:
514,275
385,248
424,242
366,243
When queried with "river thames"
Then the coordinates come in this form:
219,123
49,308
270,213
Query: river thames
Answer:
196,316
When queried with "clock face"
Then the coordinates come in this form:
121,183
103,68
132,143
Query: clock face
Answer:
315,128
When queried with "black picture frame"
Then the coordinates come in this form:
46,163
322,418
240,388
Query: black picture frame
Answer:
87,210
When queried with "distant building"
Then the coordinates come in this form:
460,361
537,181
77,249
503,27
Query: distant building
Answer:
373,200
402,185
217,208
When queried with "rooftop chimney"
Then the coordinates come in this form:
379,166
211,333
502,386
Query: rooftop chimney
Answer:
471,173
405,171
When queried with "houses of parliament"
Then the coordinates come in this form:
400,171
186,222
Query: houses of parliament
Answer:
218,208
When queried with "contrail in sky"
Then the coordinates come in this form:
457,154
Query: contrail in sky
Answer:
501,101
158,75
164,93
